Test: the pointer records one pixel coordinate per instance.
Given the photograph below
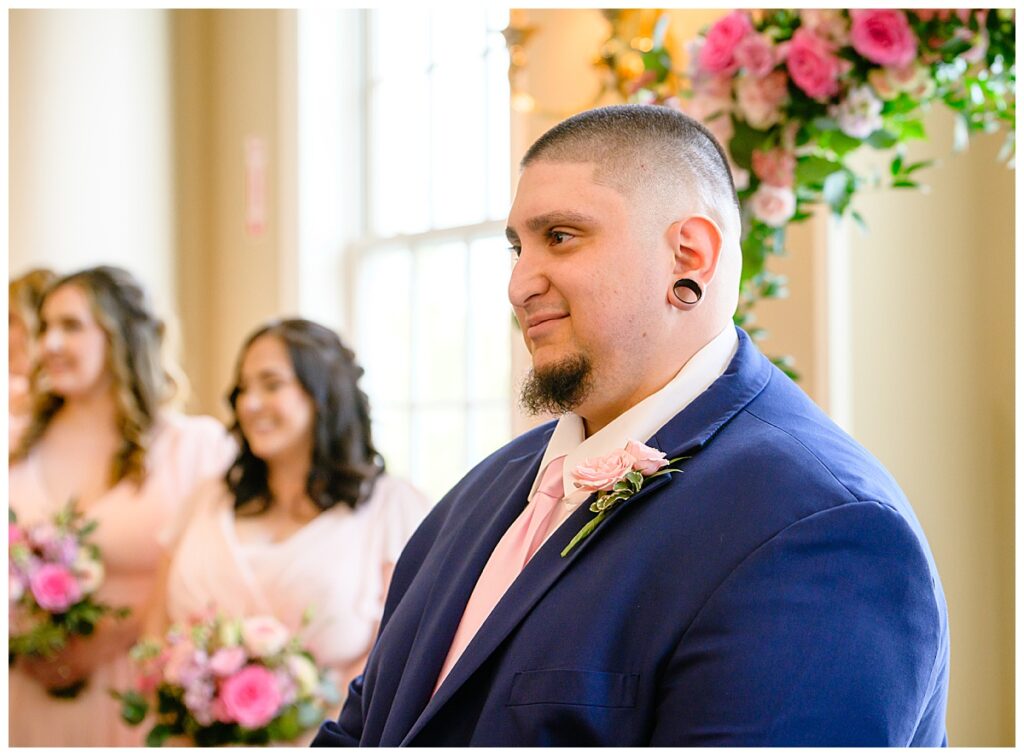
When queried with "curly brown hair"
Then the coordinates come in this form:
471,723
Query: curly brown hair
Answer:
345,463
144,381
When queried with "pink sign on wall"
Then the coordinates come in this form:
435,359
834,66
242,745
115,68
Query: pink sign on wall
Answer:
255,186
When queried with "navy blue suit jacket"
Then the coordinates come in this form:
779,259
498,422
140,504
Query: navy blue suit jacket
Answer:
776,591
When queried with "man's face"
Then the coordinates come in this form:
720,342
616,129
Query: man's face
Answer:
591,275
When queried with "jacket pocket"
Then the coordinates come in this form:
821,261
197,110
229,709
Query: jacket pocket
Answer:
574,686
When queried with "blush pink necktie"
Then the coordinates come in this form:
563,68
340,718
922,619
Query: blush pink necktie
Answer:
513,551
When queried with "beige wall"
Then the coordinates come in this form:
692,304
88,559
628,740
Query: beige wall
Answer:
90,144
229,67
932,395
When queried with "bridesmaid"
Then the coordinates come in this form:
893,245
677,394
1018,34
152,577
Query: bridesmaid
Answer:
101,432
24,294
306,517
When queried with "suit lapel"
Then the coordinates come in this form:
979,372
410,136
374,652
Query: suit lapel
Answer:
470,544
684,435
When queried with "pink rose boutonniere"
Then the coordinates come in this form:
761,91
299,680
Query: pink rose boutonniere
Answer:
616,477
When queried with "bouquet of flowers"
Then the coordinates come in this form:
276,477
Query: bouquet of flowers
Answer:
53,573
218,681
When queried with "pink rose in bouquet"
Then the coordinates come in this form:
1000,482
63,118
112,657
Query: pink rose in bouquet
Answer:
813,65
228,660
54,588
251,696
883,37
717,53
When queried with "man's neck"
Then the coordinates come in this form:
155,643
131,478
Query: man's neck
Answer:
601,408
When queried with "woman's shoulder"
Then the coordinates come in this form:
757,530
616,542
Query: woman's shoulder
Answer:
177,424
198,446
394,489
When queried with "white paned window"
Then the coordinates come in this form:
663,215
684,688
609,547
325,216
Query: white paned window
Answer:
431,315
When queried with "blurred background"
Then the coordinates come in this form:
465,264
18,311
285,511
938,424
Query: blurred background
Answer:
355,167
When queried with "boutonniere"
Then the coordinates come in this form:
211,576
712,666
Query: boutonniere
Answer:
616,477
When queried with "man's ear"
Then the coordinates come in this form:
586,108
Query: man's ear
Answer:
697,245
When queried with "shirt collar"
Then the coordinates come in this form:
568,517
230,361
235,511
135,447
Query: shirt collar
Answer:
644,418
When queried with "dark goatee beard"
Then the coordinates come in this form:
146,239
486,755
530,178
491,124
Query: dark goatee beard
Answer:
558,388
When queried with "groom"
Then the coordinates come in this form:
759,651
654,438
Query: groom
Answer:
770,586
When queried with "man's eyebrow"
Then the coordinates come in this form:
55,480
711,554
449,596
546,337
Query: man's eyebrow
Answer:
540,222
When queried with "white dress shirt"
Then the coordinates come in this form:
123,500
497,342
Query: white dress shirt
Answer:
639,422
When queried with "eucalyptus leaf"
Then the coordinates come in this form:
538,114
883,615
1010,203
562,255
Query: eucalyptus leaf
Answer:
881,139
814,169
837,191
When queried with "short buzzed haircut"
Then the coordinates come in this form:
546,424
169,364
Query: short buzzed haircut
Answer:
650,148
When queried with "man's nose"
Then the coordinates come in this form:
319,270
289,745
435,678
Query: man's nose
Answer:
528,278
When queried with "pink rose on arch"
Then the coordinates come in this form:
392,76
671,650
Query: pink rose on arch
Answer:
830,25
756,55
760,100
250,697
773,205
227,661
601,473
883,37
55,588
812,65
648,460
716,54
776,166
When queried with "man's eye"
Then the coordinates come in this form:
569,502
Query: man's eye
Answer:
558,237
515,252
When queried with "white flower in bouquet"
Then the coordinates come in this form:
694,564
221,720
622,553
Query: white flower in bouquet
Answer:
264,635
16,588
90,572
860,114
304,673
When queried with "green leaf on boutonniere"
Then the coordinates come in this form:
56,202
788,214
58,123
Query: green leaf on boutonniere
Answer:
635,478
584,532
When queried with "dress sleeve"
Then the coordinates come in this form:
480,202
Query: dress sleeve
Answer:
402,509
395,510
203,494
199,453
